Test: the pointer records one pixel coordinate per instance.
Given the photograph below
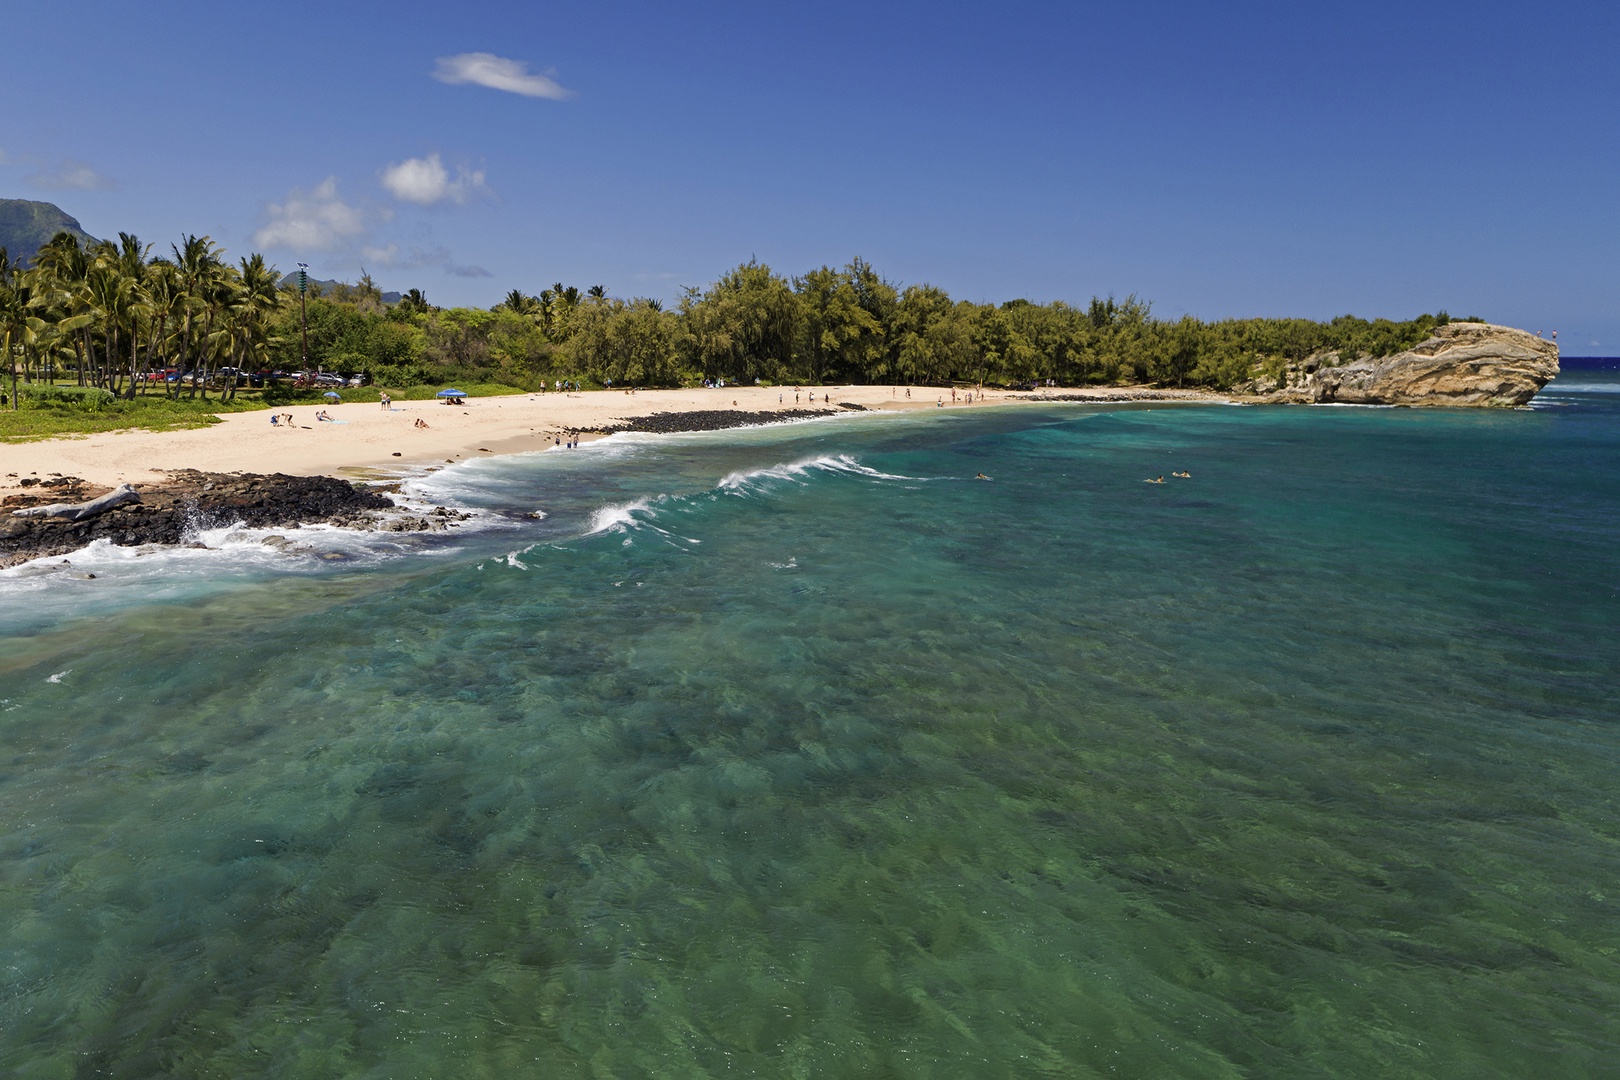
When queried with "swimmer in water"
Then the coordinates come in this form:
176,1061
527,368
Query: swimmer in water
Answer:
1159,480
1183,475
981,476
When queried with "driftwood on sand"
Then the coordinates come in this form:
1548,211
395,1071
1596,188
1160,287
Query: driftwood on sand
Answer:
122,495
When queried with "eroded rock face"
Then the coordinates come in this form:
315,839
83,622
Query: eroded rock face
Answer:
1474,364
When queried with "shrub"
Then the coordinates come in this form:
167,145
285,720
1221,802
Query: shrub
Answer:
89,398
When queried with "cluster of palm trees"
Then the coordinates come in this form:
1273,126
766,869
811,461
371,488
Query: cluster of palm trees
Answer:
115,317
553,310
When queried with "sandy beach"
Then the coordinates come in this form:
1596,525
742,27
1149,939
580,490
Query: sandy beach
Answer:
366,438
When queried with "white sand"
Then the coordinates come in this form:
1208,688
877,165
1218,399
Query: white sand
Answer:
369,437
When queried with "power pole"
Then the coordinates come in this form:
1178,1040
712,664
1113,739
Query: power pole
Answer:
303,313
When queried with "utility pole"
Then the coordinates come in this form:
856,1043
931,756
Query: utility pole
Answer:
303,313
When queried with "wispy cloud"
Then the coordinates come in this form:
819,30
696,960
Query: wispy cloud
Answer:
425,181
317,220
70,176
498,73
392,257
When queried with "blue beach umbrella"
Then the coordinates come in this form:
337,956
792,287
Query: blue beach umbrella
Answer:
331,395
452,393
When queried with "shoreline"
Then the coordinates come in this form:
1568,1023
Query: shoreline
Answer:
367,440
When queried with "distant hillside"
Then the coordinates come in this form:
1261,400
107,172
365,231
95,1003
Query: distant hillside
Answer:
326,287
25,226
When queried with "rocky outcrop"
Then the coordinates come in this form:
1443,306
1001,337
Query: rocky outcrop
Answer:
670,423
39,521
1464,363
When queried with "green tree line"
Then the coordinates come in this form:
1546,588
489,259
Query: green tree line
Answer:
829,325
108,313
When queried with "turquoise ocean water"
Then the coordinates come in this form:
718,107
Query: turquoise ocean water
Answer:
800,752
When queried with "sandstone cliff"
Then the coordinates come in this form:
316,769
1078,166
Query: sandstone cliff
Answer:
1464,363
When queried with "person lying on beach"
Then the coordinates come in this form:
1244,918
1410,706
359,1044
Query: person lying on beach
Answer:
322,416
421,422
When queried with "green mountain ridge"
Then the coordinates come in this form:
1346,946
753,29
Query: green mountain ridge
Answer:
26,226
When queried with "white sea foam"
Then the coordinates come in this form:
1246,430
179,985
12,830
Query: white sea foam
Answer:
1559,387
105,575
747,481
620,517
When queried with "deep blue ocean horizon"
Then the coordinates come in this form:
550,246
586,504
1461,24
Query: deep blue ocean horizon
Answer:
800,751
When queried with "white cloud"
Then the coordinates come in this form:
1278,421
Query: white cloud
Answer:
71,176
498,73
391,257
425,181
313,221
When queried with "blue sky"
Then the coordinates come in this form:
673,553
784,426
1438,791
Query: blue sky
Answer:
1219,159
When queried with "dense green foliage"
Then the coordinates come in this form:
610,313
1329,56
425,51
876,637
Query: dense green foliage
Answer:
111,317
829,325
115,319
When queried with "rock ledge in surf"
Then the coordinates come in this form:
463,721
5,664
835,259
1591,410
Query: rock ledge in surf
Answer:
670,423
173,510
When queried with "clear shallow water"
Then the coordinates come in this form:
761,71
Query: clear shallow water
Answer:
800,753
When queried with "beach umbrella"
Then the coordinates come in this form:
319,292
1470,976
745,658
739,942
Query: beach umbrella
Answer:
332,395
452,393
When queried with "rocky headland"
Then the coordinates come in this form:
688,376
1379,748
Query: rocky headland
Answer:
1463,363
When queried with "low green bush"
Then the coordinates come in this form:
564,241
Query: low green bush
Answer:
91,398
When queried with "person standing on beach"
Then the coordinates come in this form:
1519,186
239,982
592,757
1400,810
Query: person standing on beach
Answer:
386,401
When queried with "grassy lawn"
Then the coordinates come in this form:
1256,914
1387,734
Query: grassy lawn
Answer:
48,419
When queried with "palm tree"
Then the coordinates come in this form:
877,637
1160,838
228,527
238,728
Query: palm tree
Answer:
254,295
196,258
167,300
18,328
216,292
130,266
62,270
